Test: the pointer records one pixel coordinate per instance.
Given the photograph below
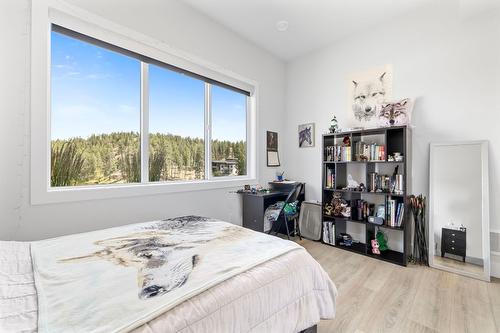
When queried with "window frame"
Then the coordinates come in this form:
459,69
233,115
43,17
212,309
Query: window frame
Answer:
45,13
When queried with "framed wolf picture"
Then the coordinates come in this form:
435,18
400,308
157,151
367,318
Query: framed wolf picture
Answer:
368,92
306,135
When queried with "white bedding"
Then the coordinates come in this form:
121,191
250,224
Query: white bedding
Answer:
18,300
285,294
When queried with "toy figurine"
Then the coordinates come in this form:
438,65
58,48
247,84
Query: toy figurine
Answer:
328,209
334,126
375,249
381,241
340,207
351,183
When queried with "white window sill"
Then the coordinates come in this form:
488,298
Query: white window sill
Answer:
99,192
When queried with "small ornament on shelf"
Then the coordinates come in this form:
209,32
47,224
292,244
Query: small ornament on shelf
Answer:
334,126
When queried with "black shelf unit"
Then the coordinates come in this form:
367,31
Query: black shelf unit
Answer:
394,139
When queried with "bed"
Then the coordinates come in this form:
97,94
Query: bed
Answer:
186,274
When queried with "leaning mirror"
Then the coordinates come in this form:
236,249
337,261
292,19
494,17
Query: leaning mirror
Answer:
459,208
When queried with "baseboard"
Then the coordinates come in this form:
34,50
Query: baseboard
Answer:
495,265
495,253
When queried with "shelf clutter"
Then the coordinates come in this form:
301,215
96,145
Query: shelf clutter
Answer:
377,158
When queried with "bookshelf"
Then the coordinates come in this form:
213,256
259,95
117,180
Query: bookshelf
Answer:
370,157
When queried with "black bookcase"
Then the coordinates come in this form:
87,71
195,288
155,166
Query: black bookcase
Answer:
338,164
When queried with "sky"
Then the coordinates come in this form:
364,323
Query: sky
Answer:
97,91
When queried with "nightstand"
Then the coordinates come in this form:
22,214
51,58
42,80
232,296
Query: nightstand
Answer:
453,242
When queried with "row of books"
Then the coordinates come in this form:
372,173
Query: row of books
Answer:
395,213
330,178
338,153
369,152
329,233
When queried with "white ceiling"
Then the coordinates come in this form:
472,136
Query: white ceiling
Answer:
312,23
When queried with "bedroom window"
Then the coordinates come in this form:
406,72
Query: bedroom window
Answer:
95,120
229,132
119,117
176,126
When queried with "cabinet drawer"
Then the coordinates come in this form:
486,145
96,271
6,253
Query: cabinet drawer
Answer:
453,234
459,251
455,242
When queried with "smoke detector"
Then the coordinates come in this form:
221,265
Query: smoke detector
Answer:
282,26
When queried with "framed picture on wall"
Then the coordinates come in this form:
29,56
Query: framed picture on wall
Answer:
272,141
273,158
306,135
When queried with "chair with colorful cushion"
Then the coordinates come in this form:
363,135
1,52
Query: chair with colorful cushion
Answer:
289,212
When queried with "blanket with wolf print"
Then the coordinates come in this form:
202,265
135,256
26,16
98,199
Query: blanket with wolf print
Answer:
116,279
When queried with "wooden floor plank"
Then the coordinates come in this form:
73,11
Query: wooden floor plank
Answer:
376,296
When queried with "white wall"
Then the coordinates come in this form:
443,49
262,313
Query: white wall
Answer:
448,60
171,22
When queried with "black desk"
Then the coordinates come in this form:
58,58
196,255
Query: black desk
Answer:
254,207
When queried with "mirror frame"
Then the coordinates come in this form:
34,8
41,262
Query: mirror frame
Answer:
485,216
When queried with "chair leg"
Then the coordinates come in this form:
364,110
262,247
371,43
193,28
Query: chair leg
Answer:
298,229
286,226
277,227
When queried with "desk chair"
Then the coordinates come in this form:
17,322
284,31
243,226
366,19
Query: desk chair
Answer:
292,197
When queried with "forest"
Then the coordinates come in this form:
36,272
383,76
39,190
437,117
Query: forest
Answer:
115,158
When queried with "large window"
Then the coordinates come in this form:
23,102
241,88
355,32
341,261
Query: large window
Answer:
100,93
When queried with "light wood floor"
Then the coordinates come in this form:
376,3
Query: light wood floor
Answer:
463,266
376,296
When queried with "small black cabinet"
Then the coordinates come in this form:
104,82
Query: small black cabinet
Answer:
453,242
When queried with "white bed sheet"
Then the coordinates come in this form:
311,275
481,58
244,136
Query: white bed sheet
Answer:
18,300
286,294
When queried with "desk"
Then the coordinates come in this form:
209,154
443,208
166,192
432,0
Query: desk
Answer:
255,204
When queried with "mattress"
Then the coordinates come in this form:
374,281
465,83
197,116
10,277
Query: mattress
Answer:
286,294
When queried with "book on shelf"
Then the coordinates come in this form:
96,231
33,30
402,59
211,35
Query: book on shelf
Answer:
401,215
369,151
395,213
329,233
338,153
330,178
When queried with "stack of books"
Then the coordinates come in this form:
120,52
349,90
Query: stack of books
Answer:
395,213
329,233
370,152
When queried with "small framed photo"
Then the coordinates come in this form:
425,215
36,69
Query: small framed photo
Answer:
273,158
272,141
306,135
